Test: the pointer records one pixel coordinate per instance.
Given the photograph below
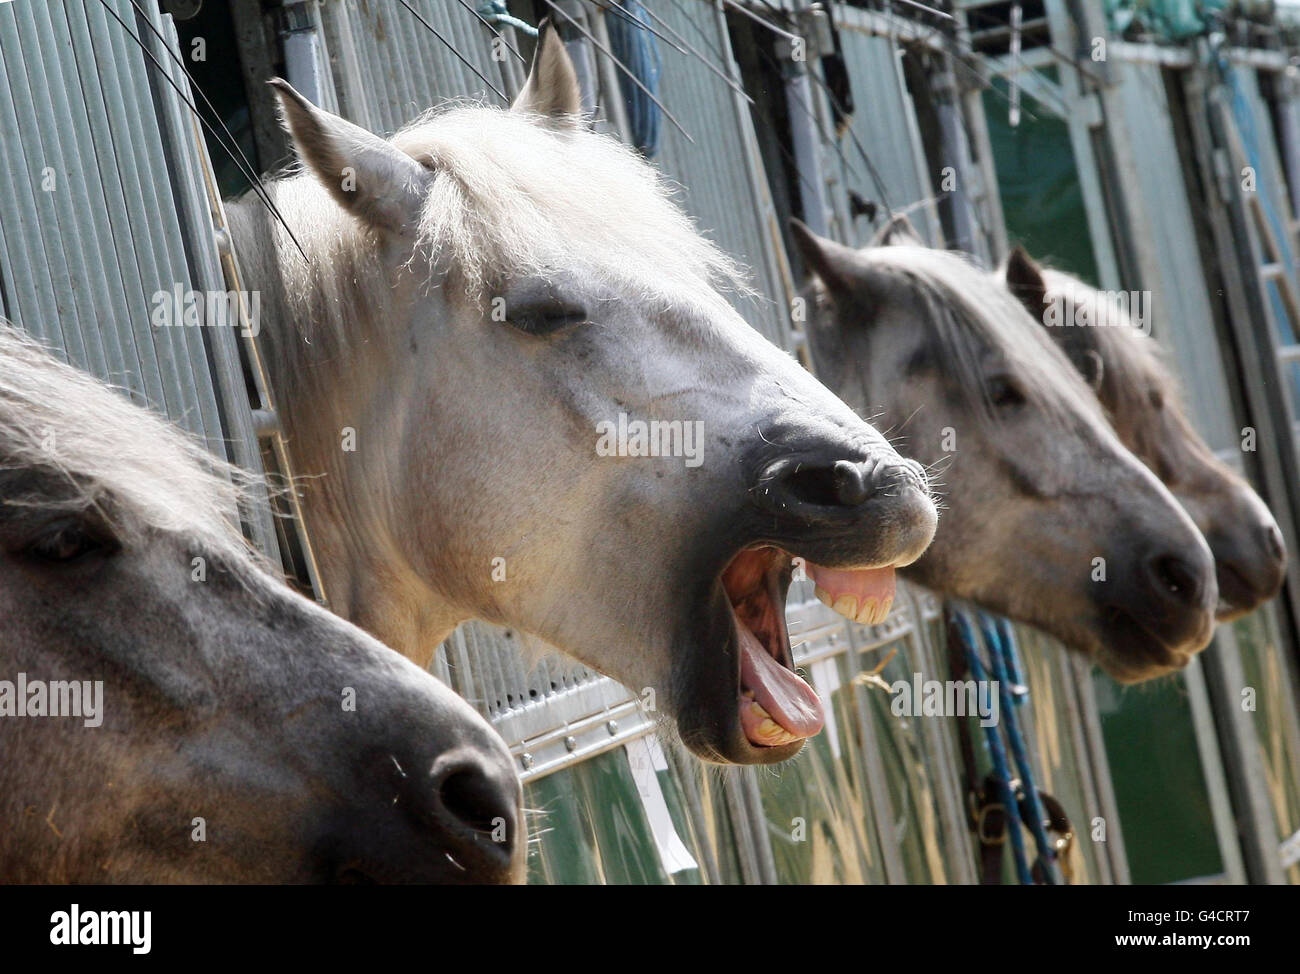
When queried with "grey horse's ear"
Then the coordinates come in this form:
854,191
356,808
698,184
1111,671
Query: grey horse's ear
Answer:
368,176
898,231
836,266
1024,279
552,87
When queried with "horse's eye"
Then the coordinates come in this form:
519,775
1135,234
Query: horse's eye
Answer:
1091,367
69,541
546,318
542,321
1157,399
1004,392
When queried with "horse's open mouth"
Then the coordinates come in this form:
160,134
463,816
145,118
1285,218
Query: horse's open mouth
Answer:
777,707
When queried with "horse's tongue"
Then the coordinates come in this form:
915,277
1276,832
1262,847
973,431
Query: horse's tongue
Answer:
792,708
864,595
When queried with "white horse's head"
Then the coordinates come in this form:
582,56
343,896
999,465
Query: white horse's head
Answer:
559,422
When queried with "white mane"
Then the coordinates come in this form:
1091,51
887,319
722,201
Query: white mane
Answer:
516,195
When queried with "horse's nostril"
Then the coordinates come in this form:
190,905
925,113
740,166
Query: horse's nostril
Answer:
476,800
1175,577
813,484
850,485
1273,543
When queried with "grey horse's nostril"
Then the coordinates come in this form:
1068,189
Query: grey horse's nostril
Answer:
1178,580
1273,543
471,797
851,488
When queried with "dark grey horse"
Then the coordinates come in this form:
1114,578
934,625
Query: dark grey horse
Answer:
1128,371
171,713
1049,519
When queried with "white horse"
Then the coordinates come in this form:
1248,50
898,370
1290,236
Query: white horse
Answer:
559,422
170,713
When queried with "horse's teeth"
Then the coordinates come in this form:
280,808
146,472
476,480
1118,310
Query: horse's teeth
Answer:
757,708
875,611
867,614
872,612
847,606
772,731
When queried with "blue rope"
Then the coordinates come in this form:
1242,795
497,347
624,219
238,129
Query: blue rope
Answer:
633,43
998,755
1001,643
1019,687
496,12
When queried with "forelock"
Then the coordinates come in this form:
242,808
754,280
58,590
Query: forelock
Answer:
967,312
513,196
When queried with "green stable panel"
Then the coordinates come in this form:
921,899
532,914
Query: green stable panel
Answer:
1164,804
1039,184
587,825
1159,781
1261,662
820,820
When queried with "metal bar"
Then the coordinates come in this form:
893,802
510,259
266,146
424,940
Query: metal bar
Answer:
615,110
452,47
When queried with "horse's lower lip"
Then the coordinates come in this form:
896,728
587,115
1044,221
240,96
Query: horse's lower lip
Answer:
1236,595
1143,655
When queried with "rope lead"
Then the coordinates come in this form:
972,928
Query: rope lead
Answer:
497,12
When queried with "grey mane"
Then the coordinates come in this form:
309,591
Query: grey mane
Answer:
1135,368
68,442
968,317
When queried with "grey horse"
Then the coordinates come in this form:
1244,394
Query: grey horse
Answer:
1049,519
169,712
1127,369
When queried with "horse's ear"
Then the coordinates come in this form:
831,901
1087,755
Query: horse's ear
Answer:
369,177
552,88
1024,279
898,231
836,266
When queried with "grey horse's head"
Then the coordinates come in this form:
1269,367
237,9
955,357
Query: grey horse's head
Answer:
1049,519
174,714
560,423
1126,368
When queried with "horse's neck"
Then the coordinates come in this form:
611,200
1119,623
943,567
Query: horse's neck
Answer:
346,497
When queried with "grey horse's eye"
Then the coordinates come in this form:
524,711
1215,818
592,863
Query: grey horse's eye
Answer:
1004,392
69,541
